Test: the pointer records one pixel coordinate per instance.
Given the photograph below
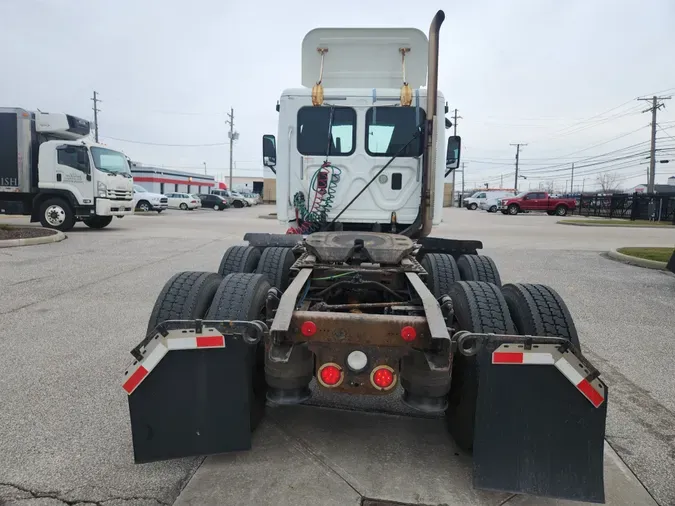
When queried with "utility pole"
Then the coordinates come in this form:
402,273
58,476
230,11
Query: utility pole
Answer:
656,105
461,195
572,182
96,111
454,130
501,180
517,145
204,168
233,137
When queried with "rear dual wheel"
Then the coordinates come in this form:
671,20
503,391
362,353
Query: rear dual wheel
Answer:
204,295
523,309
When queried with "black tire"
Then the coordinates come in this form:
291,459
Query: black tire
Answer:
473,206
186,296
275,263
504,211
239,259
243,297
159,211
478,268
238,204
561,210
493,209
479,307
183,206
538,310
550,213
98,222
513,209
143,206
57,214
442,272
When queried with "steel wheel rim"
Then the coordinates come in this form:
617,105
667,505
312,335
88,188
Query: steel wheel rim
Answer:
55,215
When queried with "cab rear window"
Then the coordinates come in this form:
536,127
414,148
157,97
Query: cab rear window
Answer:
389,129
326,131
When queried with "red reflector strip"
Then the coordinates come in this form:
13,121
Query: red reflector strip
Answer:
507,357
587,389
135,379
566,363
211,341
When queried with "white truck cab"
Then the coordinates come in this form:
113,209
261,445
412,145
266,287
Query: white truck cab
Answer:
331,142
48,170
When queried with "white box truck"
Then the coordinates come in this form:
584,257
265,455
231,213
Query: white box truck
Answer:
50,172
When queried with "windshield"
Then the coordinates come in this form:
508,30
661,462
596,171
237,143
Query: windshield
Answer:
108,160
521,195
139,189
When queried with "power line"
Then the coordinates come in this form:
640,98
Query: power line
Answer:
167,145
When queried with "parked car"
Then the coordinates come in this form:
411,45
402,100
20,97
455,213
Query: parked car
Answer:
196,197
234,201
490,205
182,201
147,201
249,201
537,201
477,198
213,201
257,199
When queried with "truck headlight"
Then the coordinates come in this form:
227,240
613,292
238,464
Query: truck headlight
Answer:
102,189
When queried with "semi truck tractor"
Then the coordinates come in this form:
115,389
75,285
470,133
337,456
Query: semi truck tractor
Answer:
357,298
52,173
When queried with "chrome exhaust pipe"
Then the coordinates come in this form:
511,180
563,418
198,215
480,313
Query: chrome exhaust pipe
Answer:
429,162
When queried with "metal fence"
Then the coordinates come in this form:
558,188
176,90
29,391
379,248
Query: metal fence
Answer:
638,206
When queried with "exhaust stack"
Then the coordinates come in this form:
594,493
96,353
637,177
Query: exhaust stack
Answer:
422,225
428,167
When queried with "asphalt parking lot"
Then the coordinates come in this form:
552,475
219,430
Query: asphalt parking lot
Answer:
71,311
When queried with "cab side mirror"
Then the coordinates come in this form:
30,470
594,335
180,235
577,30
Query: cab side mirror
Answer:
269,151
452,154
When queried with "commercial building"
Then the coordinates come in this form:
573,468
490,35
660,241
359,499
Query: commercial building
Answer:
160,180
664,189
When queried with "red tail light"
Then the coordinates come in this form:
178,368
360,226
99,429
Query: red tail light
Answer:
383,377
308,329
330,375
408,333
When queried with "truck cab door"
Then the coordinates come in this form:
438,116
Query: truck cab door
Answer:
73,173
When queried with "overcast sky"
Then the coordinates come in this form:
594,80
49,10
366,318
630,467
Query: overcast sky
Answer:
542,72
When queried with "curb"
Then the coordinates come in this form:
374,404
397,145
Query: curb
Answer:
32,241
641,262
605,225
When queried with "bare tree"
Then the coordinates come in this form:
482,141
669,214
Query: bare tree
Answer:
548,186
609,181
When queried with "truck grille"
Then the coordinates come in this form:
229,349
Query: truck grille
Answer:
164,201
119,195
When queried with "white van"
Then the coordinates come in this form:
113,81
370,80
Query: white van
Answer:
479,197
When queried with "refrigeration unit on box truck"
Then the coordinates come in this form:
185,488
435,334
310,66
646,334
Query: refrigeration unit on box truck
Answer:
52,173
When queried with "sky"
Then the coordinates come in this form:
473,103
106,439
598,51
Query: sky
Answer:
559,76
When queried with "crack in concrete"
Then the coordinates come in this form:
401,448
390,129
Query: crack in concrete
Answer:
70,502
305,448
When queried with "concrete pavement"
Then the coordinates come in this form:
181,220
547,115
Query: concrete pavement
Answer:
70,312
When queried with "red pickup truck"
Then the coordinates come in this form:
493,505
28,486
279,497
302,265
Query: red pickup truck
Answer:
536,201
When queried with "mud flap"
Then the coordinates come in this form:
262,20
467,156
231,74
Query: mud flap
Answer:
538,429
191,401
